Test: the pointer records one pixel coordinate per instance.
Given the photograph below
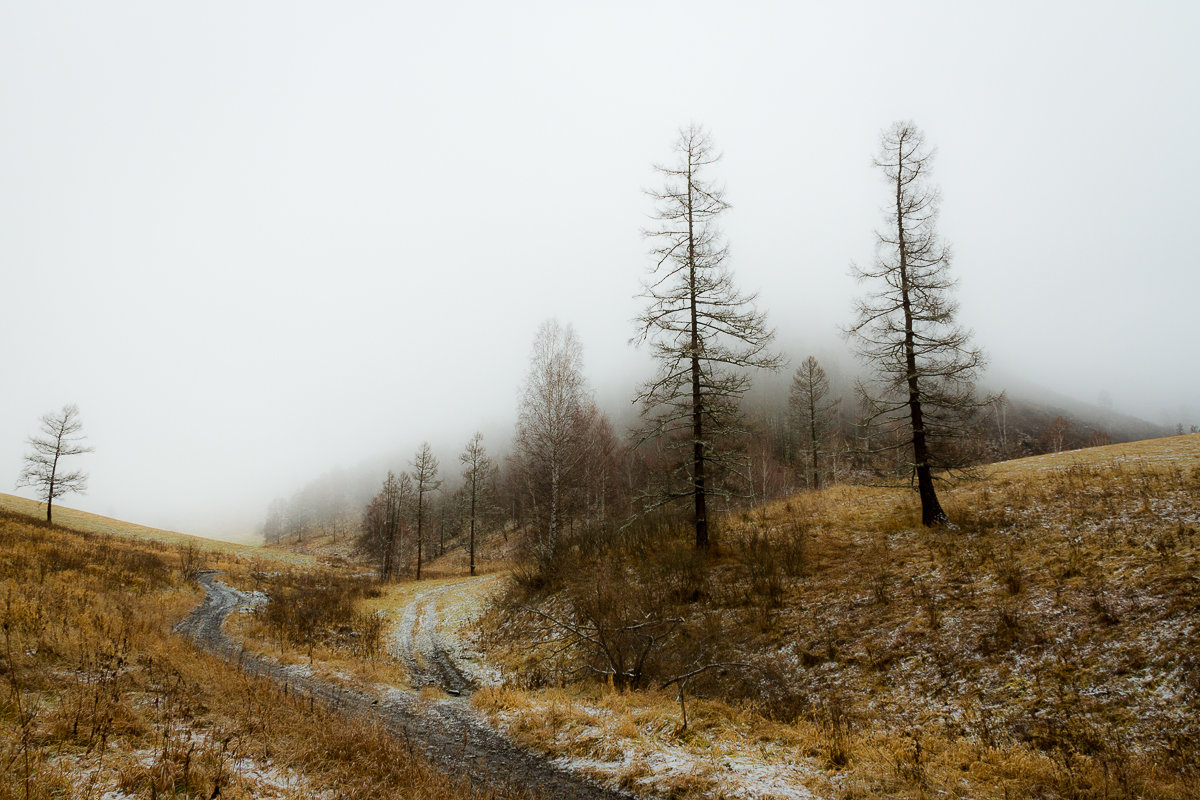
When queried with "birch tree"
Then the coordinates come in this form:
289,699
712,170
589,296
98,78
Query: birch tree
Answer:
703,332
905,326
43,470
552,428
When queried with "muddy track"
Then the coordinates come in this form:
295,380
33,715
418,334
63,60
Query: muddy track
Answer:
447,730
419,642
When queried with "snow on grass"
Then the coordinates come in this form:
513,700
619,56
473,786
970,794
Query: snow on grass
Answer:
458,612
252,777
625,744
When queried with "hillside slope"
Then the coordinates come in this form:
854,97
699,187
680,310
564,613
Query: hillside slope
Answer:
100,699
86,522
1046,645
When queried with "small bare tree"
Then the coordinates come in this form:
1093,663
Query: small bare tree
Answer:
703,332
1000,406
425,480
60,438
477,468
813,413
906,326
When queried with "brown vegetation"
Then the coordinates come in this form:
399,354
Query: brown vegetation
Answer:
1045,646
315,609
98,696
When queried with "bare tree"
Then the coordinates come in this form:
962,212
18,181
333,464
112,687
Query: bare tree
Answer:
603,496
477,468
425,479
275,524
383,525
906,326
60,438
1056,433
552,431
813,413
1000,406
703,332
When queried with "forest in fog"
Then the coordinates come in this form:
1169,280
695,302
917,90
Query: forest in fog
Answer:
728,421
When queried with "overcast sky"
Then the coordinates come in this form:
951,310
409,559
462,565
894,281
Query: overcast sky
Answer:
255,240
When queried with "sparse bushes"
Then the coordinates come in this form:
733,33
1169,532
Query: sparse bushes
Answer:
762,570
192,560
307,609
637,611
1010,574
832,719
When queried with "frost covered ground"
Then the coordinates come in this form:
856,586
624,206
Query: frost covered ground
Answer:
641,749
1047,644
119,776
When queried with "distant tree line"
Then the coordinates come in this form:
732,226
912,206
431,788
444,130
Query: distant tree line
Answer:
569,480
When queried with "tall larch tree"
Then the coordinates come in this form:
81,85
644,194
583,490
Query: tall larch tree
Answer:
905,326
813,413
425,480
477,468
703,332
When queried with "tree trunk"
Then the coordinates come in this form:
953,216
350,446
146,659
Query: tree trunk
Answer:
420,543
472,524
552,545
931,510
932,514
697,415
698,458
387,555
812,432
53,473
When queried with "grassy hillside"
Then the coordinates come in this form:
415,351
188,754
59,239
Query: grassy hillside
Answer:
98,698
1046,645
86,522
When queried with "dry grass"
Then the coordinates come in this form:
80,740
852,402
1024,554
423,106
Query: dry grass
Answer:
347,628
85,522
1046,646
98,698
493,555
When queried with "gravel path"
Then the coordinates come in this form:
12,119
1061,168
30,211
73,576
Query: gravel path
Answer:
447,730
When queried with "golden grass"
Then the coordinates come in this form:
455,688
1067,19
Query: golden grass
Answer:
86,522
1044,646
98,696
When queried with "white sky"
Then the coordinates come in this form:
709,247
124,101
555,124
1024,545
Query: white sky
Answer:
256,240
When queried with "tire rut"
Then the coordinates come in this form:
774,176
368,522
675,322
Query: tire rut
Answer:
422,648
446,730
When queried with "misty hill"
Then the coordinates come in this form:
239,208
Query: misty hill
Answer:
323,516
1033,410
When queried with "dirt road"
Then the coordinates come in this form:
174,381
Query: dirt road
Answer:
450,734
420,643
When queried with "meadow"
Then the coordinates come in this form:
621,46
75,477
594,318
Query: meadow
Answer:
1044,646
